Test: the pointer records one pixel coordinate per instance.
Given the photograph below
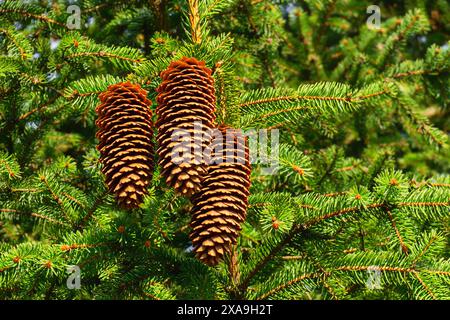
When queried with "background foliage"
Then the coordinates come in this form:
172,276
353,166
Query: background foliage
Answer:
363,113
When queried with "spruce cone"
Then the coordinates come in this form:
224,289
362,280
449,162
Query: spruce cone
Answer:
126,147
186,96
221,205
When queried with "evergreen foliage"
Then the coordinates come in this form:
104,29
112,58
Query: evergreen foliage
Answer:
358,209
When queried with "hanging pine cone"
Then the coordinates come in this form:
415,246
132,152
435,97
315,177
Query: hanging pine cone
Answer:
186,106
126,147
221,205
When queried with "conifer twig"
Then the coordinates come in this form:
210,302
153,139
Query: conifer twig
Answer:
55,197
38,109
21,50
397,232
8,168
194,21
91,211
233,269
290,283
424,285
424,250
102,54
25,190
36,215
74,246
296,228
324,98
323,26
292,233
34,16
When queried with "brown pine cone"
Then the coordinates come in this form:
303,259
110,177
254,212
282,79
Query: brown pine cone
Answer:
185,96
125,131
221,205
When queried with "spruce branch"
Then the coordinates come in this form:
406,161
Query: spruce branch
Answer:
424,250
327,13
194,21
160,8
302,227
36,215
424,204
91,211
397,232
232,262
415,273
295,229
21,43
12,168
340,212
74,246
291,283
119,56
338,208
28,14
306,32
40,108
414,22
